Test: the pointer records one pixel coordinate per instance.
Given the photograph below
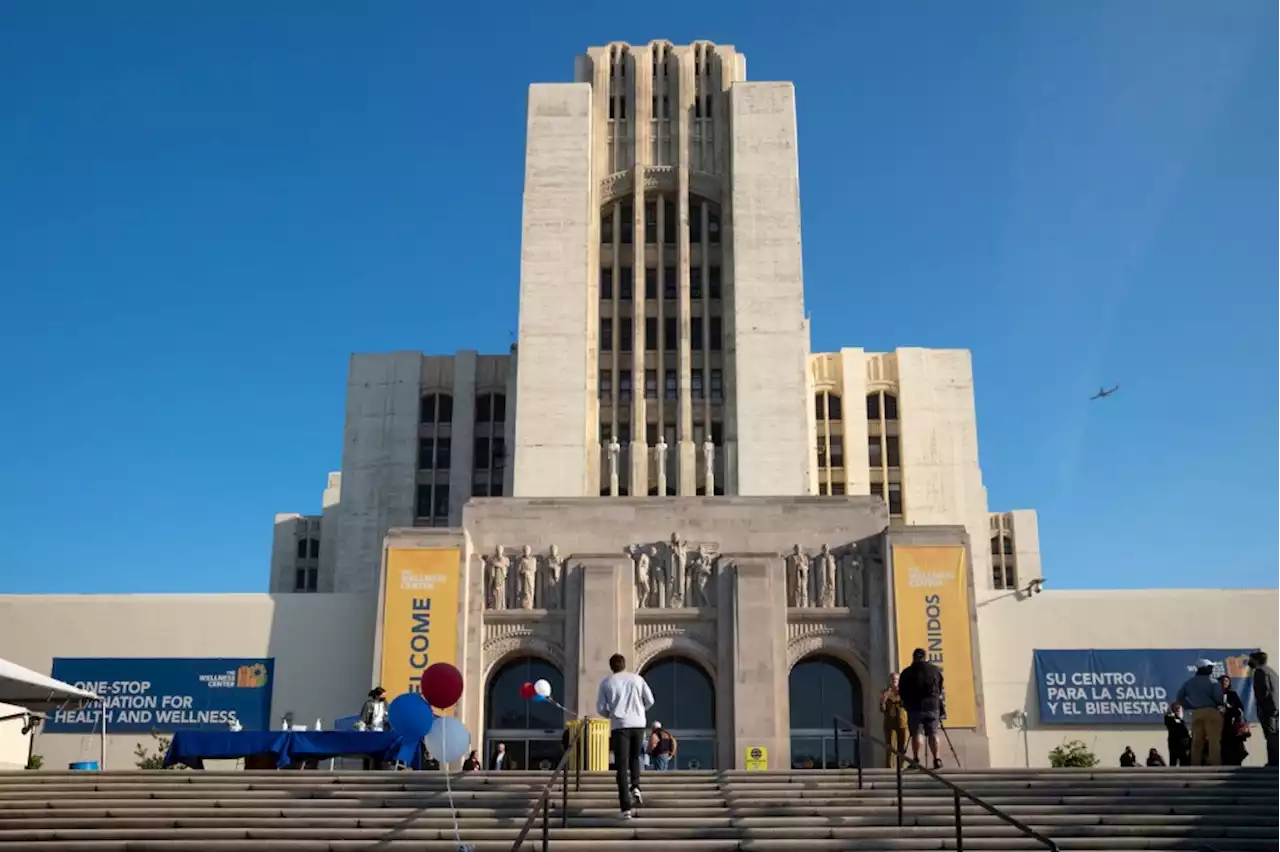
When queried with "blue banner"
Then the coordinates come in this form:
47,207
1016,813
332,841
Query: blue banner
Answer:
1127,687
165,695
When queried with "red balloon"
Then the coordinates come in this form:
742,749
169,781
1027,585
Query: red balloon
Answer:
441,685
527,691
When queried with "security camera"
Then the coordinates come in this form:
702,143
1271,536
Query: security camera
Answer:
31,724
1036,586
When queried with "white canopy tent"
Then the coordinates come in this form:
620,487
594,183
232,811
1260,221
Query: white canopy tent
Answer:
22,687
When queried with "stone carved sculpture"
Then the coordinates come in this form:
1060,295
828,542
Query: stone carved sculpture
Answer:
660,453
798,578
700,568
644,588
614,449
828,577
496,569
709,466
854,577
676,571
526,577
551,580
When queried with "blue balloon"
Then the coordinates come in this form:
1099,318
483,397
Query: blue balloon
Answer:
411,716
539,699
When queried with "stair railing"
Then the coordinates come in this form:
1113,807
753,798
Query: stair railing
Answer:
561,773
957,792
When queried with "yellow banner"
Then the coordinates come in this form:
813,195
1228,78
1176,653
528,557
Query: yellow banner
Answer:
931,599
419,615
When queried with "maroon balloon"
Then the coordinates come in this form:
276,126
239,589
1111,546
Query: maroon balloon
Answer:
527,691
441,685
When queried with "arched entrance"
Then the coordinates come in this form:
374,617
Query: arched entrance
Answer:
684,701
530,730
822,687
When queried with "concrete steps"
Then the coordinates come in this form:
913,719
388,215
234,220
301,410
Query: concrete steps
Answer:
1223,810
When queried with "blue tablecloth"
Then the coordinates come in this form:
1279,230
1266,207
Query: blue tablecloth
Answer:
192,748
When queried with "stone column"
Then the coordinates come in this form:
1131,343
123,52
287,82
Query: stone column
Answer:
601,622
762,712
687,470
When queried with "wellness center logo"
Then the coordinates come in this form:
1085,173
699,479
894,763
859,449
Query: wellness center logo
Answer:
251,677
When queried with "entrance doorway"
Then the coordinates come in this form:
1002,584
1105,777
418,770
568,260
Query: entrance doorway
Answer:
529,730
684,701
822,687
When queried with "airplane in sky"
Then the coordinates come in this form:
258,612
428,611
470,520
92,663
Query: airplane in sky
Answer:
1103,393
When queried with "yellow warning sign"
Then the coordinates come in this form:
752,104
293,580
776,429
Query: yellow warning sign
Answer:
757,758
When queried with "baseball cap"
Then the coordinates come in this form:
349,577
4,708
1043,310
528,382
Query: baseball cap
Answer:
1202,663
657,725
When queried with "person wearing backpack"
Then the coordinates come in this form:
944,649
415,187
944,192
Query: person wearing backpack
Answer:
662,748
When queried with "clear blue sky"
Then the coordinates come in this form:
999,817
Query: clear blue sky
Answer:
205,207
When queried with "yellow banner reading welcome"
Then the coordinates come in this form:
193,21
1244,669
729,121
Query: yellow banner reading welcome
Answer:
419,614
931,599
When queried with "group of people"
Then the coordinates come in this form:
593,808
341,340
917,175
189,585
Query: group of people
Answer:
1206,722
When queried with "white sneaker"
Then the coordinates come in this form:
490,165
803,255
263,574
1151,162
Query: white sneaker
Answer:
625,815
636,796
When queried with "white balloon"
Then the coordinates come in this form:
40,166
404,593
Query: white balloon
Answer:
449,740
543,688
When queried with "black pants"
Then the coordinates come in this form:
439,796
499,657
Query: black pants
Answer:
1179,753
627,745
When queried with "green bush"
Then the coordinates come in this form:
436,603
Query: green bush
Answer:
1073,754
147,760
35,762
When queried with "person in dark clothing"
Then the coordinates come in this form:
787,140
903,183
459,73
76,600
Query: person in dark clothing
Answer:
472,763
920,686
1128,759
1179,736
1264,696
1235,729
1154,758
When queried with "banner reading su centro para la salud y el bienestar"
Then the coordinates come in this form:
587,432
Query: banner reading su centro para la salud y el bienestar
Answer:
931,604
420,595
165,694
1127,686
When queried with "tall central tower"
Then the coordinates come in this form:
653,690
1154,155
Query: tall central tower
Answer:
661,285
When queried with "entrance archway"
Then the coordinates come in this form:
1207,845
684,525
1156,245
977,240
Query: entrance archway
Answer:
684,701
529,730
820,688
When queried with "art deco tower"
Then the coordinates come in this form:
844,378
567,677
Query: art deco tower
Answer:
661,286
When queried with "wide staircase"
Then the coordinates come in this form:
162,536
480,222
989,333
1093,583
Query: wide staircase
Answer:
1216,810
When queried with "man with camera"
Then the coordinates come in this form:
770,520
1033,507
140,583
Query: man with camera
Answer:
920,686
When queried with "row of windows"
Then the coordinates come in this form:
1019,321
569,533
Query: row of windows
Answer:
671,384
881,449
670,334
670,288
306,579
626,224
308,548
827,406
437,453
432,504
1004,571
702,107
437,408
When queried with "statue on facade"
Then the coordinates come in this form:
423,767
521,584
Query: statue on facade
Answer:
551,589
640,555
496,568
700,576
660,453
829,577
709,467
854,577
676,571
526,577
798,577
614,449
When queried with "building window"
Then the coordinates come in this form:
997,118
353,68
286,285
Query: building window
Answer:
670,336
669,289
306,579
671,386
433,504
302,548
650,282
1004,573
606,333
717,334
624,284
313,548
695,282
882,402
484,408
695,333
606,384
626,225
695,221
480,461
837,488
624,333
837,451
669,221
606,226
696,376
651,222
651,334
624,385
606,283
713,225
624,432
435,409
875,452
499,453
717,384
895,500
713,282
651,384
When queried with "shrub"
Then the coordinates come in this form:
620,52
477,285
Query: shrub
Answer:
147,760
35,762
1073,754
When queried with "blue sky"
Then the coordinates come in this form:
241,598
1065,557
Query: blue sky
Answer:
205,207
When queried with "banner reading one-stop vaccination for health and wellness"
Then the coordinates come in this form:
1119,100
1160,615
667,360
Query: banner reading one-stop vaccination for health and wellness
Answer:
1127,686
165,695
931,602
419,614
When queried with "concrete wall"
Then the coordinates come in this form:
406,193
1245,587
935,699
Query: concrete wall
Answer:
322,645
768,345
554,426
1012,626
13,745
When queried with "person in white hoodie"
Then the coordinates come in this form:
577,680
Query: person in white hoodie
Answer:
623,698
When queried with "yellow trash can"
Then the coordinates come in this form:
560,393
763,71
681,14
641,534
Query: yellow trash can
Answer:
598,745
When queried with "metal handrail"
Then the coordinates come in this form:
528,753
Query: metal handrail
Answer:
544,798
956,790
